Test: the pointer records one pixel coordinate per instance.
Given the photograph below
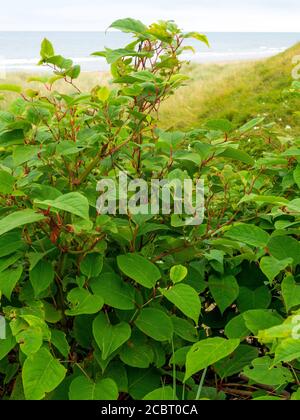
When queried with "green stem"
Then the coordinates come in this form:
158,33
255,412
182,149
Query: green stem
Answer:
174,372
61,269
200,387
183,392
89,168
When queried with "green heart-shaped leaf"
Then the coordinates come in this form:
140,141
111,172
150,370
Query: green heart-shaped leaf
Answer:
110,337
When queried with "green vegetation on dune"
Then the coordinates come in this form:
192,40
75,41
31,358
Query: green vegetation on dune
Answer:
237,92
106,297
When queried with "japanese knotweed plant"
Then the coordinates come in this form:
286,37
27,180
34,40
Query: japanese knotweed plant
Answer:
142,306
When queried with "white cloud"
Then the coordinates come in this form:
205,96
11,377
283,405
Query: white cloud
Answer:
203,15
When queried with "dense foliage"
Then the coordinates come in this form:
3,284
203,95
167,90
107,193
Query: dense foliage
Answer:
140,306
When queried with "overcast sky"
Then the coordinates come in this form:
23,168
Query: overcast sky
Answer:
202,15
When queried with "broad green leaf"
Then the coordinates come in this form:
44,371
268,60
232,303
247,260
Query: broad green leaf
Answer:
151,227
160,394
112,56
85,389
18,219
216,259
101,362
35,257
284,247
234,364
44,192
103,93
220,125
184,329
11,138
115,291
268,398
296,395
287,351
294,206
291,152
18,391
9,243
41,277
196,276
129,25
199,37
91,265
52,314
207,352
7,344
139,269
74,203
297,175
290,292
185,298
62,63
24,154
83,302
209,393
110,337
10,88
287,329
83,330
259,298
261,319
251,124
271,267
178,273
239,155
156,324
142,381
179,357
9,279
34,321
264,372
248,234
47,49
41,374
236,328
159,354
30,340
7,182
74,72
9,261
159,31
118,373
59,340
264,199
188,156
137,353
224,290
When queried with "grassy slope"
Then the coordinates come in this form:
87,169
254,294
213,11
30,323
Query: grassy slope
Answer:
237,92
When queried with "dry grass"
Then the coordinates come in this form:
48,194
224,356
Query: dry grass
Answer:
85,82
186,107
237,92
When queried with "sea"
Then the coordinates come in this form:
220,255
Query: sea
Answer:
19,51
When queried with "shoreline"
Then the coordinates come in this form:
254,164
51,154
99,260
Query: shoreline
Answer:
89,64
36,70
